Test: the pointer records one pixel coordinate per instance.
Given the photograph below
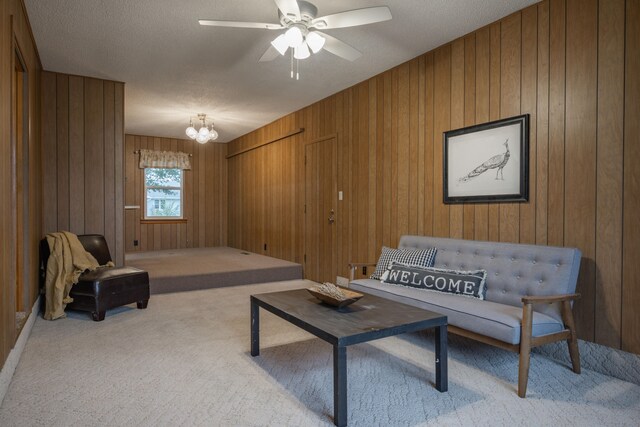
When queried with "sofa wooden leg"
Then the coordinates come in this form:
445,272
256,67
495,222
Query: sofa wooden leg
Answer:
525,349
574,352
98,316
142,304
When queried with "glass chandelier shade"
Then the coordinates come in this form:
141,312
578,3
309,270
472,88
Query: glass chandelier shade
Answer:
206,132
191,131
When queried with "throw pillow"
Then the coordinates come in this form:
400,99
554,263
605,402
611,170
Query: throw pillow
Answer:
466,283
410,256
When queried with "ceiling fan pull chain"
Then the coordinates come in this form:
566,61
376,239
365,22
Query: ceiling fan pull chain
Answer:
297,70
291,63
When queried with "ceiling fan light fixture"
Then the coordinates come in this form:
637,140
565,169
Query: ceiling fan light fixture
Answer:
320,24
315,41
281,44
293,36
302,52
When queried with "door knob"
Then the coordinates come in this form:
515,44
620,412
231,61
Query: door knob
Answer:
332,217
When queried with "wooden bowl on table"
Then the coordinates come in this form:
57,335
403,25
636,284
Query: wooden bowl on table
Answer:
337,301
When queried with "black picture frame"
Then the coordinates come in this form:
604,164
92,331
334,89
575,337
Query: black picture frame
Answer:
472,154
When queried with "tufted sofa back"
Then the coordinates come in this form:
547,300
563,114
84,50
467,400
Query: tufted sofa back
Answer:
513,270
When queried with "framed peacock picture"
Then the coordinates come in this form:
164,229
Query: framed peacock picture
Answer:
488,162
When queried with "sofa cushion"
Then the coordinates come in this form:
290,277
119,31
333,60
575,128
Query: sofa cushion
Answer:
513,269
463,283
411,256
495,320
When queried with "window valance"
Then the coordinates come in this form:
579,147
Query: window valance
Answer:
164,159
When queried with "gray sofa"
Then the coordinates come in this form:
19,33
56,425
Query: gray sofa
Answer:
529,292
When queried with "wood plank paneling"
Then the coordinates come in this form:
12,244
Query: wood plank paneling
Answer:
94,156
442,123
456,220
580,151
76,154
493,223
510,71
557,58
109,165
560,61
482,84
542,126
610,128
62,161
118,135
528,104
21,182
429,179
631,200
87,191
49,153
469,119
205,197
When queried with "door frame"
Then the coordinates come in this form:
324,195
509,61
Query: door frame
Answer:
20,178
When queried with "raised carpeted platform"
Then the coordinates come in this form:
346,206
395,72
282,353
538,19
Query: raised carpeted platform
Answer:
179,270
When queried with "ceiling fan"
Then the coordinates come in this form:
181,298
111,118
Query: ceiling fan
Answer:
302,27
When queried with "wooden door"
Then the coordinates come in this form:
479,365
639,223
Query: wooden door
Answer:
321,213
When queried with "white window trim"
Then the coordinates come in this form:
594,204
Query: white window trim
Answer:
144,196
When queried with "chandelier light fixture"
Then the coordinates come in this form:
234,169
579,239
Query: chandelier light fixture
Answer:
206,132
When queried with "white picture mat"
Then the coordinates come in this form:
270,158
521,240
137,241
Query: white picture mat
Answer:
466,152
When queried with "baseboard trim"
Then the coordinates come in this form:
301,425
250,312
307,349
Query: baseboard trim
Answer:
10,365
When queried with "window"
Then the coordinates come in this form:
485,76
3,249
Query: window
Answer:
163,193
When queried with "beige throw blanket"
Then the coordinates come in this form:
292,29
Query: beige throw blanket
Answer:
68,260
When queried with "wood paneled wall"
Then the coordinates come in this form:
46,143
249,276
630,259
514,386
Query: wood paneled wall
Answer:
205,197
15,33
82,149
572,65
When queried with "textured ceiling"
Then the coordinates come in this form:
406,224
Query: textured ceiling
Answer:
174,68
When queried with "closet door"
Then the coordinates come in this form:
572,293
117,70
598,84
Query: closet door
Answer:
320,260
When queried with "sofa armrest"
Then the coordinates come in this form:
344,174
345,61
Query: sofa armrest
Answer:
549,299
355,265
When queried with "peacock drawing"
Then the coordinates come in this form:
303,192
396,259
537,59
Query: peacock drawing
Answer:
496,162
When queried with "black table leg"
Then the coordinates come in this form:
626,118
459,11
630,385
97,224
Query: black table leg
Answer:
255,329
442,382
339,386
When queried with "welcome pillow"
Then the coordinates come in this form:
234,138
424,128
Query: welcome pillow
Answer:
409,256
466,283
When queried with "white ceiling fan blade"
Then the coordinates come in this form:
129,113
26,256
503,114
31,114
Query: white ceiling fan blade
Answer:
353,18
289,8
340,48
270,54
240,24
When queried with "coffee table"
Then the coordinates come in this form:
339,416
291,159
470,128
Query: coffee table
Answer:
368,319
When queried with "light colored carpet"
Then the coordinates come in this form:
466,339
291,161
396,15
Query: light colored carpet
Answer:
178,270
185,361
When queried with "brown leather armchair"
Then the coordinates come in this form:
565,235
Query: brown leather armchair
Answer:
105,288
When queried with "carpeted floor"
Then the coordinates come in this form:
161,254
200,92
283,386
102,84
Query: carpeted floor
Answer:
178,270
185,361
